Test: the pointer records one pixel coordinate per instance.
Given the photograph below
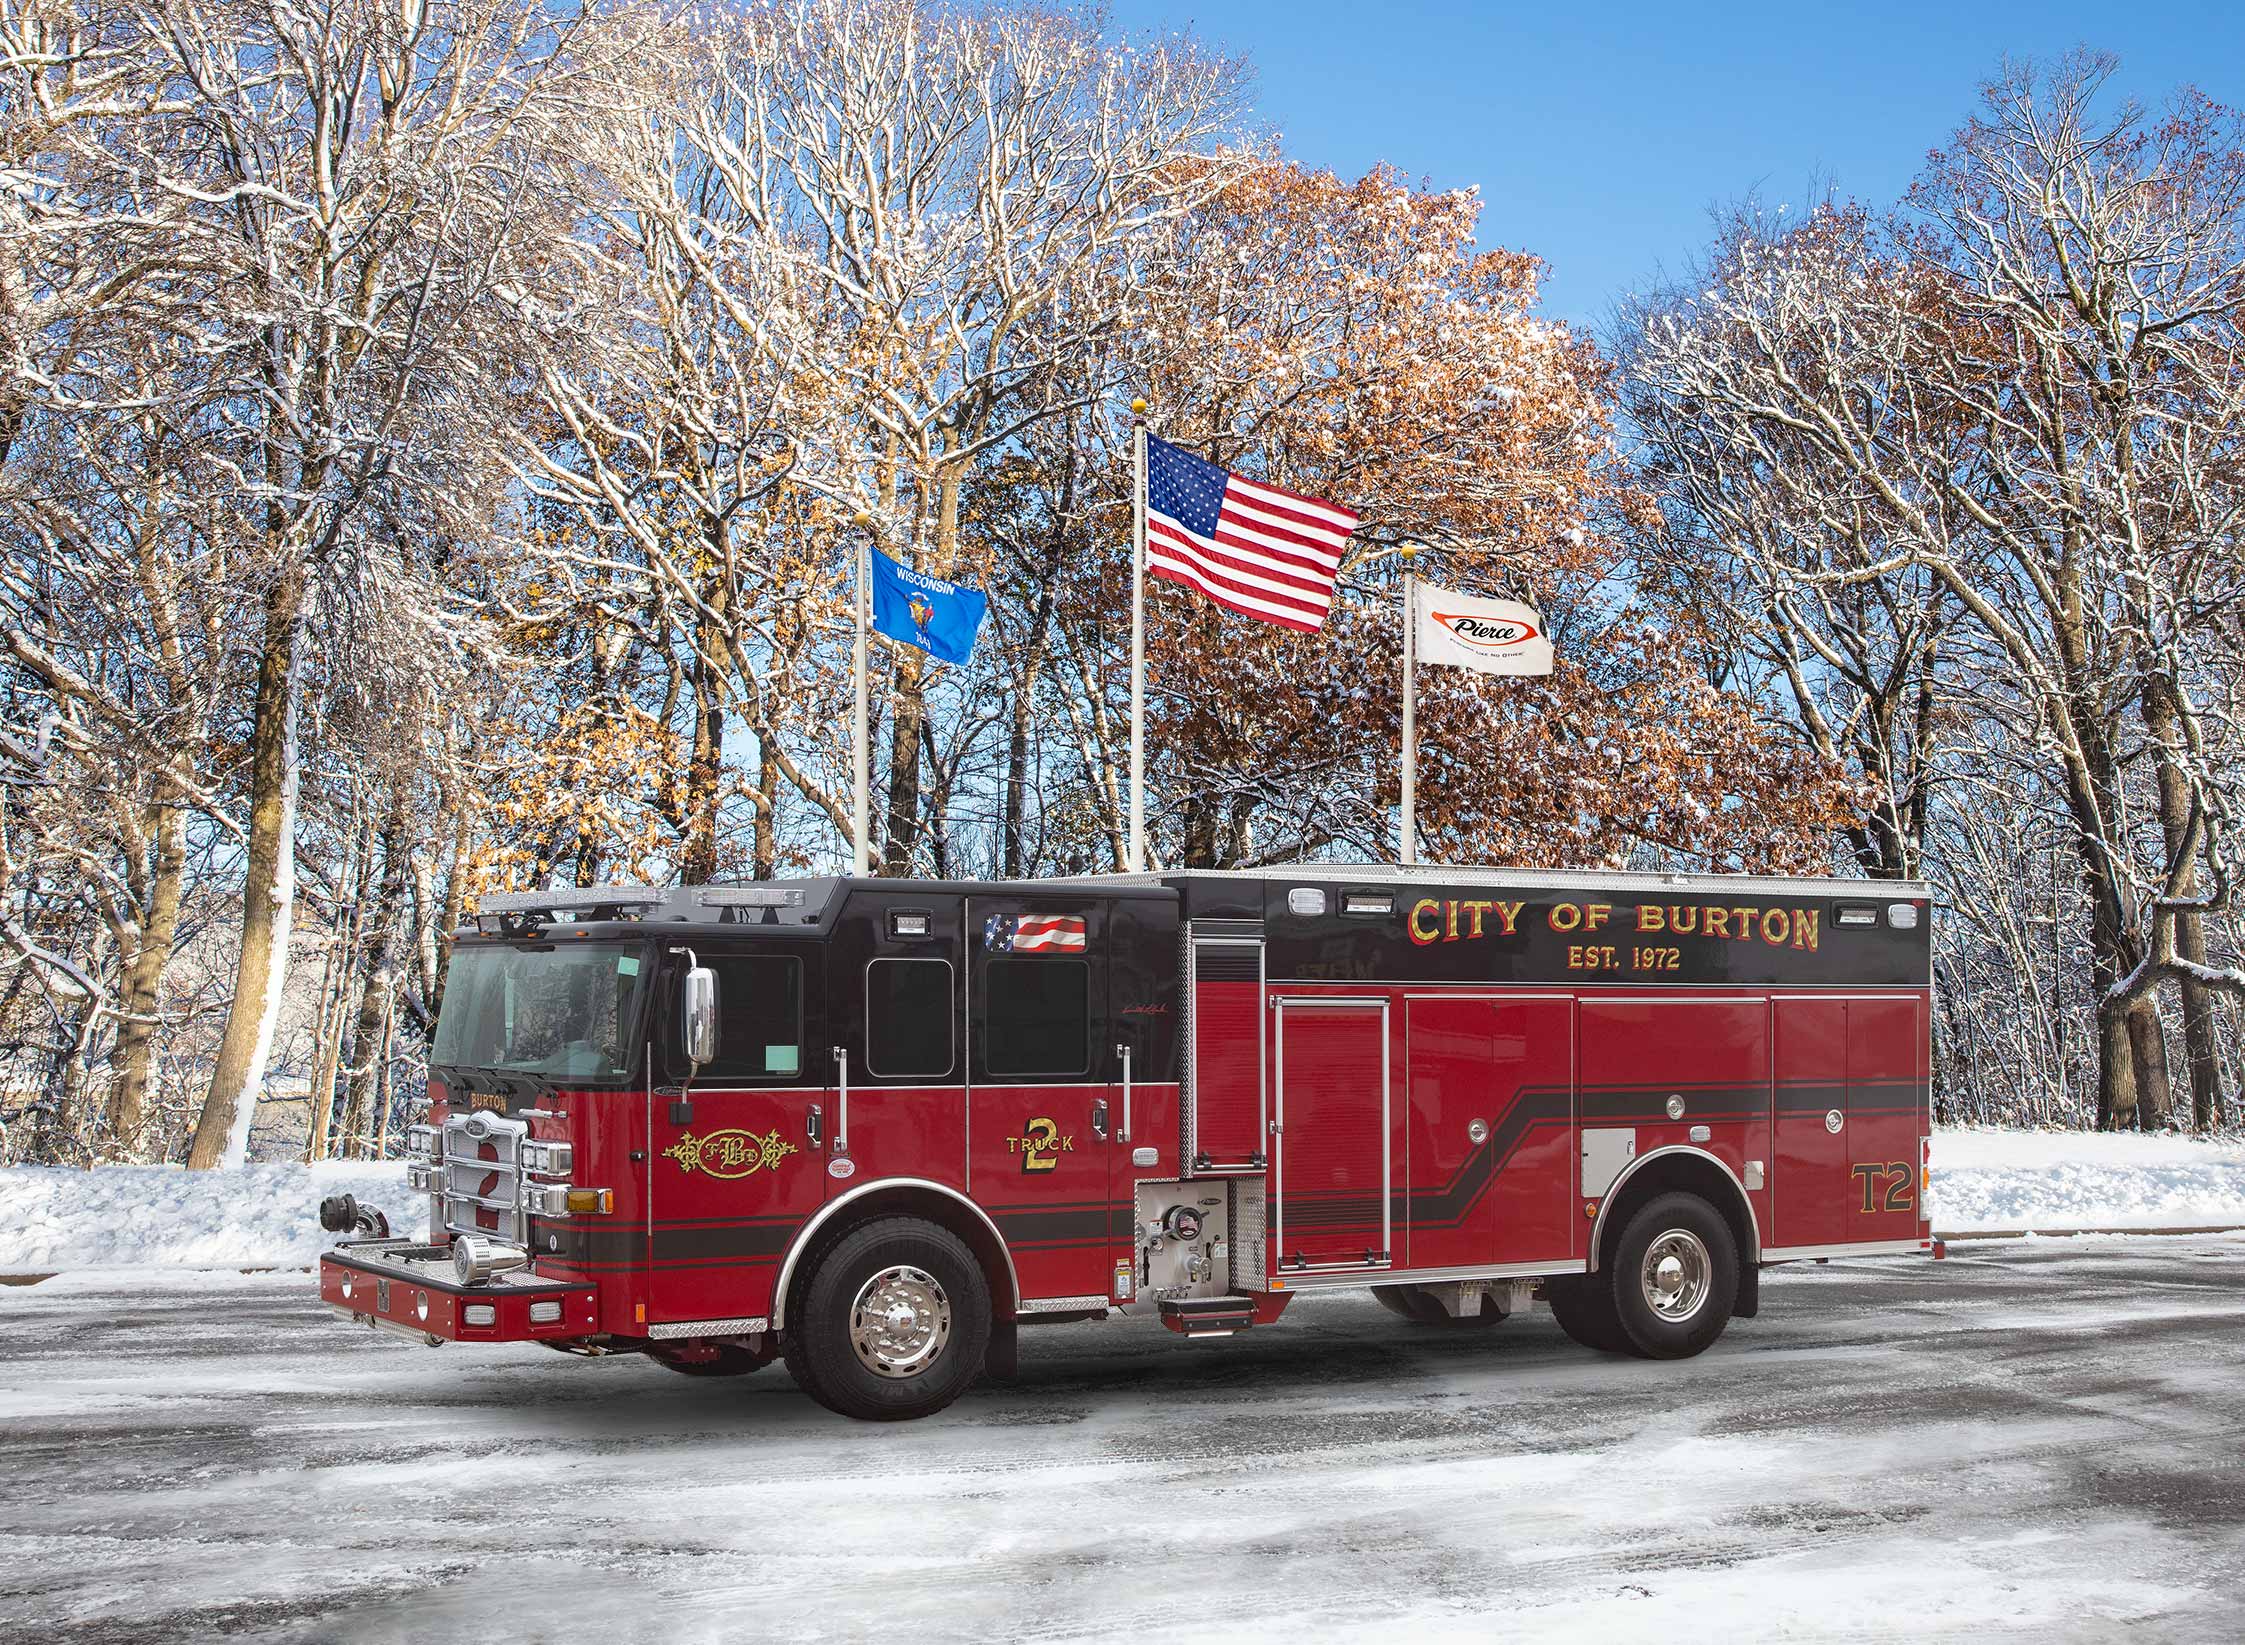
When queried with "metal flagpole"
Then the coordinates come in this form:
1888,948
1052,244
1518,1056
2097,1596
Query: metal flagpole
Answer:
1138,636
861,799
1410,852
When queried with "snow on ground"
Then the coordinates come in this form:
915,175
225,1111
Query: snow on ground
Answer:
267,1216
2084,1179
2032,1443
130,1216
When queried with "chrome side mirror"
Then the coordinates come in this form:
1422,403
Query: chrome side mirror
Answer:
699,1029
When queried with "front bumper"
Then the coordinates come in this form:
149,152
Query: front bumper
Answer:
404,1285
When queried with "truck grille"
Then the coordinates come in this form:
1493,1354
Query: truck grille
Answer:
477,1169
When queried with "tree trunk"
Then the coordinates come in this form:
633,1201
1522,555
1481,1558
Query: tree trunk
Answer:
268,888
697,861
902,823
764,847
2147,1046
2200,1040
2116,1078
135,1052
336,978
378,982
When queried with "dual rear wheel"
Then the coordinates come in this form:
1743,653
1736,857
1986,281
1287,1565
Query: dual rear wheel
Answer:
1666,1289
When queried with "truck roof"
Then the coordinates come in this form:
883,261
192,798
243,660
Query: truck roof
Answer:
807,905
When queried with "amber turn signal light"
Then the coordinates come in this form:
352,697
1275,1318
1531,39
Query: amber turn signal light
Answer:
591,1202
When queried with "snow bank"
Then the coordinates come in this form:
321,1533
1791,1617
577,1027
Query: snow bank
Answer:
2076,1179
130,1216
267,1216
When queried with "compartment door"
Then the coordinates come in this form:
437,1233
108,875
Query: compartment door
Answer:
1809,1174
1224,1114
1490,1130
1886,1117
1330,1107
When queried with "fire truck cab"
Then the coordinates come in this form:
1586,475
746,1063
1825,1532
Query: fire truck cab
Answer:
878,1125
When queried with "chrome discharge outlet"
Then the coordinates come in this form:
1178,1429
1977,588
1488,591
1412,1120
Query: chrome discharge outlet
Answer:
476,1258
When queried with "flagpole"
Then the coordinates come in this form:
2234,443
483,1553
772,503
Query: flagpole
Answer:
1137,863
1410,852
861,797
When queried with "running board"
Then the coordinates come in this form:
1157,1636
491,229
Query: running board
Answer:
1208,1316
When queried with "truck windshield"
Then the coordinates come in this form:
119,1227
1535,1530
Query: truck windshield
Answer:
567,1011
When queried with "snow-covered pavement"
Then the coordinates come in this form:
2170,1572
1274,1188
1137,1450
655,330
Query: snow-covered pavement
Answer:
2028,1441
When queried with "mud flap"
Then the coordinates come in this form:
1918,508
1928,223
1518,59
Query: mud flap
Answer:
1749,1301
1001,1361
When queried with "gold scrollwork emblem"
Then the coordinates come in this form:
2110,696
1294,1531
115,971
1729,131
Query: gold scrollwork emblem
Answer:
729,1153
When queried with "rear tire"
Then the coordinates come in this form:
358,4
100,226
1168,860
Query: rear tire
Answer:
1584,1308
1674,1278
893,1322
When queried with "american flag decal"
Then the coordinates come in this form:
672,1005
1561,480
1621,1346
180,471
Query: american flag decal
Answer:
1033,933
1249,547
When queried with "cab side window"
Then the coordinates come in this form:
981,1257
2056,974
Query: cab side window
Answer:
759,1017
1037,1017
908,1018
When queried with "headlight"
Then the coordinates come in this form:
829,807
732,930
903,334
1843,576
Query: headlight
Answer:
424,1142
547,1159
546,1199
421,1179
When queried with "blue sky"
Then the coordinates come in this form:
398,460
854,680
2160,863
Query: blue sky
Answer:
1599,136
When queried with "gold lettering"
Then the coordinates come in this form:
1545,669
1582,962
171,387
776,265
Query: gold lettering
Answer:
1745,931
1474,911
1597,915
1509,912
1423,906
1565,916
1649,917
1718,922
1682,921
1450,932
1776,938
1804,928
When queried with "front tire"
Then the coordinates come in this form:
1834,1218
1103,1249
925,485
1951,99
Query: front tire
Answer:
893,1322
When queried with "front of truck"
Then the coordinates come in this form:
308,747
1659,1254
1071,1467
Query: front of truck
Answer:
532,1154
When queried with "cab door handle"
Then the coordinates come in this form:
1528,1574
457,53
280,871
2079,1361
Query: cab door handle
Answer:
814,1124
1099,1119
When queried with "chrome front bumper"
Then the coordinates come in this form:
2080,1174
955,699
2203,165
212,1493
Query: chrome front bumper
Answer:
405,1285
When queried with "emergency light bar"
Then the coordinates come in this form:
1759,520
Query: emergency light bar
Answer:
571,898
749,896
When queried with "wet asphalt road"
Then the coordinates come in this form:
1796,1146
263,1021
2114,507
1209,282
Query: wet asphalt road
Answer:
2037,1441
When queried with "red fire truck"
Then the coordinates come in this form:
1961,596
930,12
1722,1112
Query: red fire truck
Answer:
878,1125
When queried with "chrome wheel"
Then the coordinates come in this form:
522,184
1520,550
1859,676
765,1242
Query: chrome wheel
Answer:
900,1321
1676,1274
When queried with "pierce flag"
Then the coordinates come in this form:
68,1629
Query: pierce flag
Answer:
1493,636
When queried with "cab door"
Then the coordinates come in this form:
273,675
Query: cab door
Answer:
734,1157
1043,1106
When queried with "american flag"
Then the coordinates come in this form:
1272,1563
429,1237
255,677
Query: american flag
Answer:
1250,547
1032,933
